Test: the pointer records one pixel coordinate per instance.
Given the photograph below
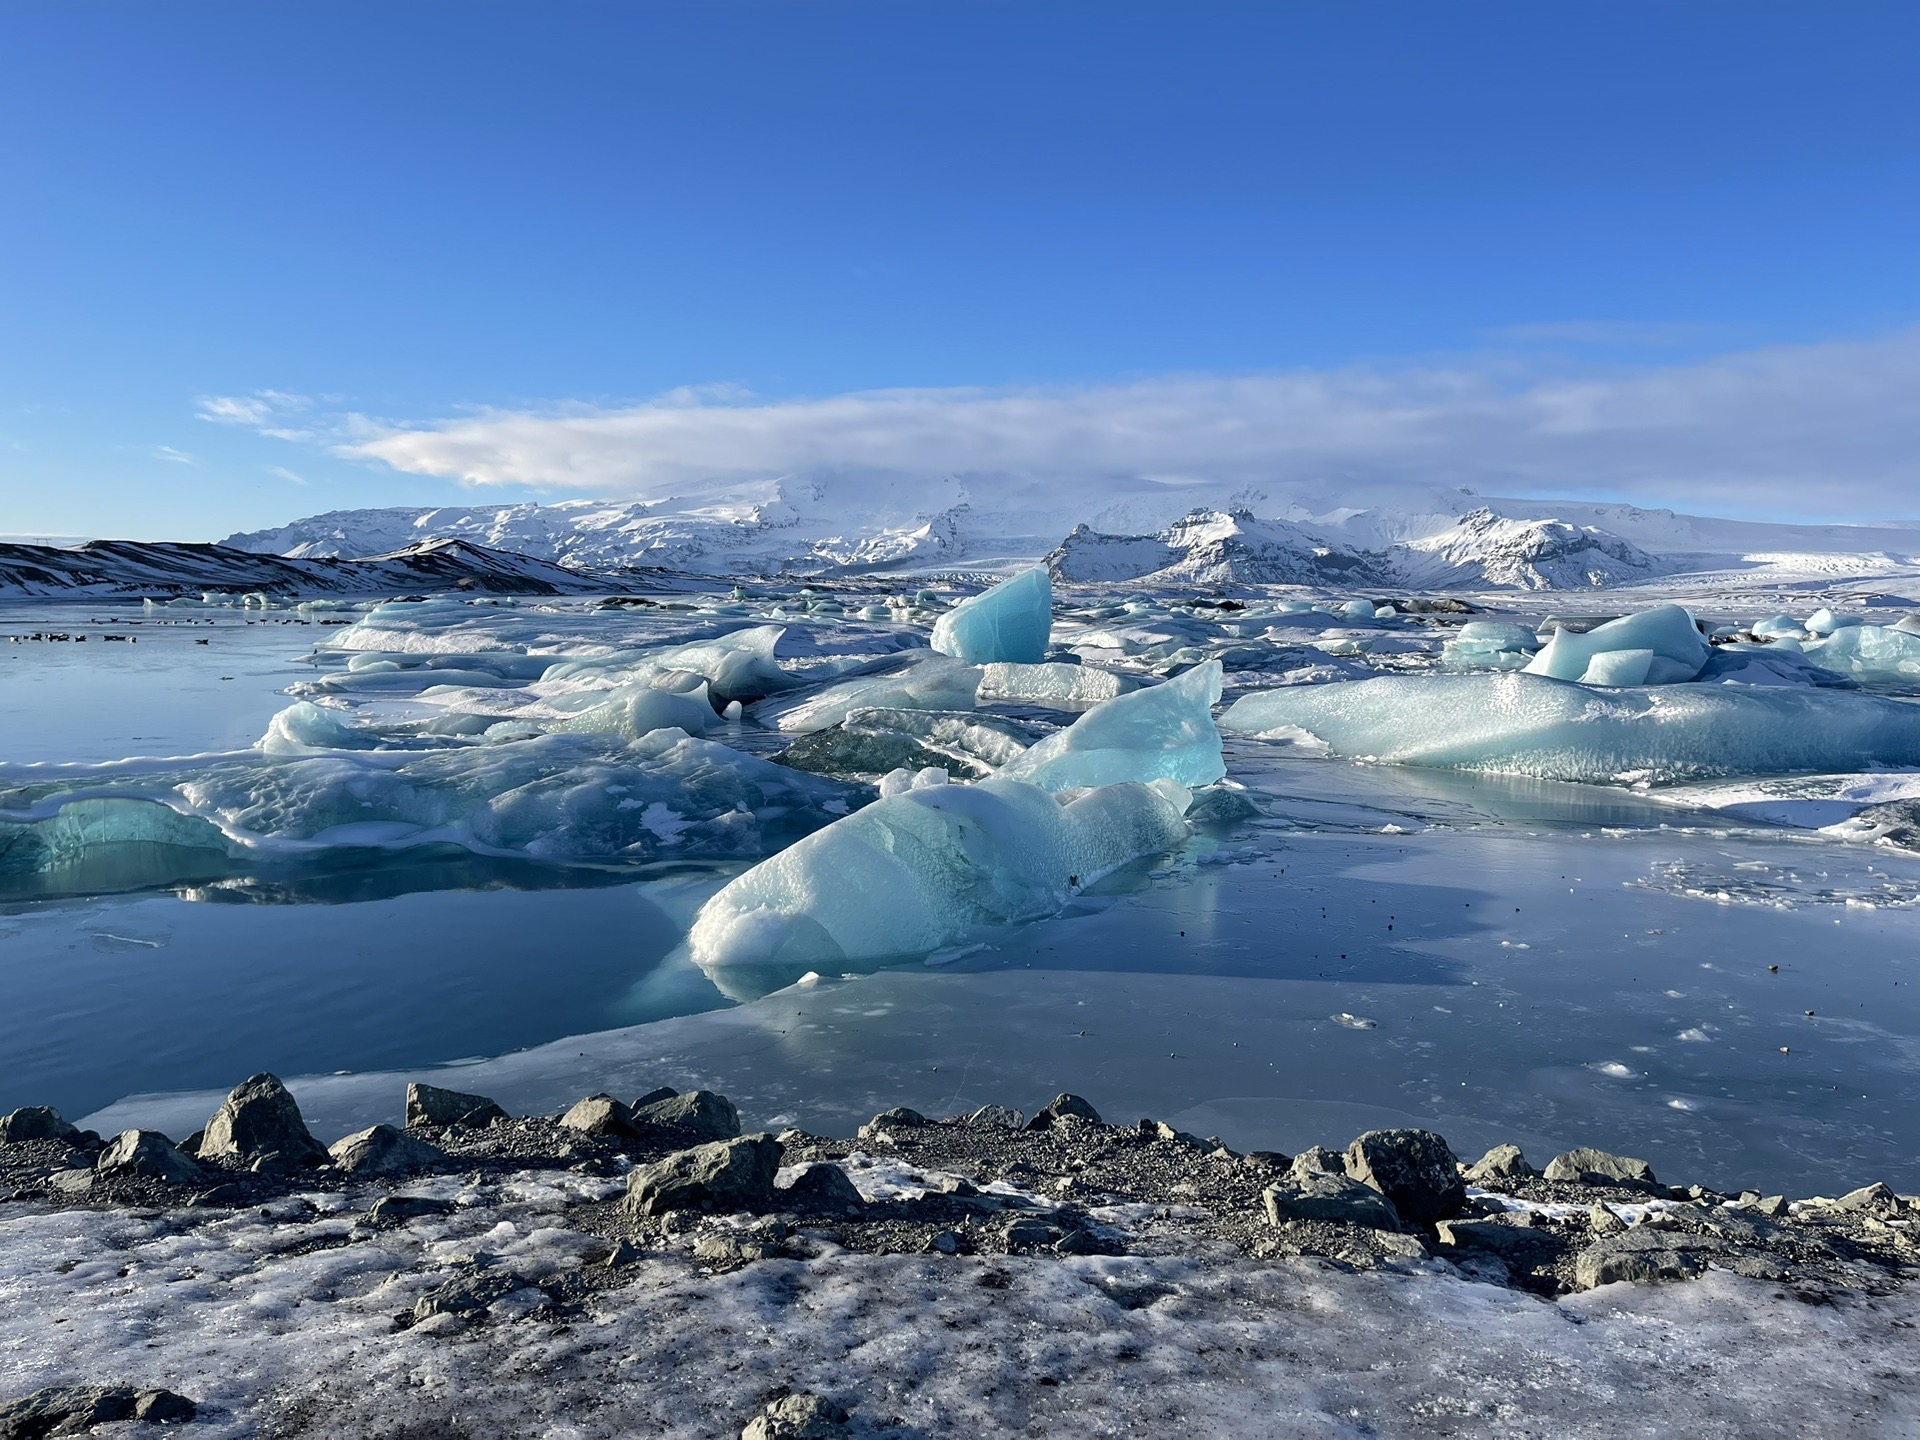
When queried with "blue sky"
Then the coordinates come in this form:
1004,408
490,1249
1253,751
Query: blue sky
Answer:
262,260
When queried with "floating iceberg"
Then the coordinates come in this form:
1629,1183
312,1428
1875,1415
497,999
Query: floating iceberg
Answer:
920,869
870,743
1778,663
1532,725
931,682
588,797
736,666
631,711
1489,645
1661,646
1013,621
1868,652
1164,732
1056,683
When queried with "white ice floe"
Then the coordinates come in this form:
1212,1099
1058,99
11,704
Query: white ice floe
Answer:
923,681
1054,684
920,869
1532,725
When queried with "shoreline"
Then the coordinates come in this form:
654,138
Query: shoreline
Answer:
454,1246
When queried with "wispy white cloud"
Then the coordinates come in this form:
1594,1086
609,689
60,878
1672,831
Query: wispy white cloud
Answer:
1829,430
291,477
178,457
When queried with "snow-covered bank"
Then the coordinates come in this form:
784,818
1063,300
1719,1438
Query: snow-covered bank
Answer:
978,1275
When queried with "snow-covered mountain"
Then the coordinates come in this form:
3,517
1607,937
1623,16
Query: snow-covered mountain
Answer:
830,524
133,567
1479,550
1488,551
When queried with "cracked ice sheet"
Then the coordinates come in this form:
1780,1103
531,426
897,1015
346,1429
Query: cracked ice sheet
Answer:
219,1308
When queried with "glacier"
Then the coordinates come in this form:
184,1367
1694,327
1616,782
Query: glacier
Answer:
1011,621
924,868
1524,724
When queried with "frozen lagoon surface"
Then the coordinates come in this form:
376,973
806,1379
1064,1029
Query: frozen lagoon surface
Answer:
1337,946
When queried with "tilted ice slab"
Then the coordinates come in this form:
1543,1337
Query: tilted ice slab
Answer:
1053,684
921,869
928,681
1163,732
1531,725
1661,646
1013,621
560,797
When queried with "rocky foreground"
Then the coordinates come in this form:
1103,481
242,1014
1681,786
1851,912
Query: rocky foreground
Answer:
642,1268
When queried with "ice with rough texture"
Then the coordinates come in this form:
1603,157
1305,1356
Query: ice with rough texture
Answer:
922,868
1532,725
557,797
1013,622
927,682
1609,654
285,1327
1489,645
1868,652
737,666
967,744
1054,683
1778,663
1162,732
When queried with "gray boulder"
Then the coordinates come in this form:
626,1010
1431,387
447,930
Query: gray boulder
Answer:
823,1186
257,1121
1598,1167
149,1155
658,1093
798,1417
76,1409
1317,1160
390,1210
1502,1162
1324,1197
701,1115
1062,1107
724,1175
1414,1169
1642,1254
431,1108
383,1150
35,1122
600,1115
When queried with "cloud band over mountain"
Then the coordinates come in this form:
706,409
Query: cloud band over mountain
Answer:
1831,429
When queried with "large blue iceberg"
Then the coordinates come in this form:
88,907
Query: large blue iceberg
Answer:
1013,621
1661,646
1164,732
921,869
